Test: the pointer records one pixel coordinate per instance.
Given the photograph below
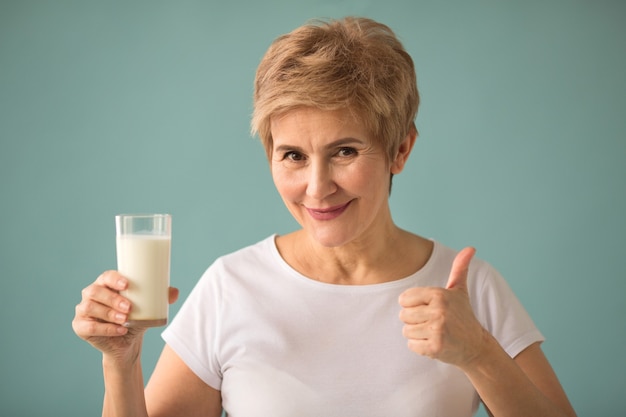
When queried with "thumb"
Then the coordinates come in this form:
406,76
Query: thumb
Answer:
173,295
460,266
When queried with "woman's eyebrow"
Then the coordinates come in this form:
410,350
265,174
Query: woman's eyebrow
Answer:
285,148
346,141
334,144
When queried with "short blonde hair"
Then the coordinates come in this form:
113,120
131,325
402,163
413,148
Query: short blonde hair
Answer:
352,63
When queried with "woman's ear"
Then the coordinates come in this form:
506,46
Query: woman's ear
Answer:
404,150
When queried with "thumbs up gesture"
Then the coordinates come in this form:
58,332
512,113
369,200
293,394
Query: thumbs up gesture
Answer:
439,322
460,267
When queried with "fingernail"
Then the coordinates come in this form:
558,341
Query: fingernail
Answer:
124,306
120,317
122,330
121,283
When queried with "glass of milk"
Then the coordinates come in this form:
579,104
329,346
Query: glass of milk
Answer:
143,256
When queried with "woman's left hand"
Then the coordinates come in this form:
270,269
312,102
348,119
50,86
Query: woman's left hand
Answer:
439,322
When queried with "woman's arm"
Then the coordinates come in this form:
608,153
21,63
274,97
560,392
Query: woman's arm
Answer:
440,324
99,321
525,386
123,390
537,368
174,390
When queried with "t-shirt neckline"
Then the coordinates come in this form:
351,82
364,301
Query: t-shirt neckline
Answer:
401,282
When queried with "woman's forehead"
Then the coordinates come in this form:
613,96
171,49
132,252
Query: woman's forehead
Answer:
317,126
317,119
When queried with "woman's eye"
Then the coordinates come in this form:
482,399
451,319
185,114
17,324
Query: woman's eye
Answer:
345,152
293,156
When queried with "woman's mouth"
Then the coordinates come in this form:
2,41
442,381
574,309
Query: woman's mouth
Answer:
328,213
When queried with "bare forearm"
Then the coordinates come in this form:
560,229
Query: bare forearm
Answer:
123,390
508,391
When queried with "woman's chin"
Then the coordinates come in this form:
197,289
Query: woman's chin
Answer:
330,238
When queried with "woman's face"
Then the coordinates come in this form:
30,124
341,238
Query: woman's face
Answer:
331,175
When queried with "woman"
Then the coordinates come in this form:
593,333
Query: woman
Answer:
317,322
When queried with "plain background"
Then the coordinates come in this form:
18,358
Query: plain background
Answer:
143,106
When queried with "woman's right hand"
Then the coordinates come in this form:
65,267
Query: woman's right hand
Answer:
101,314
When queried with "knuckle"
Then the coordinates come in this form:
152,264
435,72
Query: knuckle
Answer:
105,276
91,328
111,330
435,348
403,315
112,316
108,278
115,299
87,307
75,326
438,316
441,310
436,327
405,298
79,310
439,296
412,331
82,328
87,292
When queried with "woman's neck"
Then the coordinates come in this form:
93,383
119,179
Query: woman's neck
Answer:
386,257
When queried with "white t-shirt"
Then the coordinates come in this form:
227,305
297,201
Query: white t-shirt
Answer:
279,344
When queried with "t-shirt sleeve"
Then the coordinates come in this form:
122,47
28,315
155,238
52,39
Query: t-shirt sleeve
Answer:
193,333
501,313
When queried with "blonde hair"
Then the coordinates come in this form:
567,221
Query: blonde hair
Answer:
352,63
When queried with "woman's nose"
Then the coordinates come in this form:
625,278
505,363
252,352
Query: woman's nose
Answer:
320,181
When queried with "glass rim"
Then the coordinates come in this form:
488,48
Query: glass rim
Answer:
143,215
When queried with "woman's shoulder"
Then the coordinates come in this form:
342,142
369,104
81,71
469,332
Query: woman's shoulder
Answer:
259,248
253,255
259,257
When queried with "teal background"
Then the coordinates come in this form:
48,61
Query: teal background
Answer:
143,106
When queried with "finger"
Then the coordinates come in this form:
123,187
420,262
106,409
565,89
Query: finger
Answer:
424,339
90,310
460,266
113,280
86,329
425,347
418,296
415,315
422,331
173,295
105,291
106,297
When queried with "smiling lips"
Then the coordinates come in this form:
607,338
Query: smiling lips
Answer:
329,213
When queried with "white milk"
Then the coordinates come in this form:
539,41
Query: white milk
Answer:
145,261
